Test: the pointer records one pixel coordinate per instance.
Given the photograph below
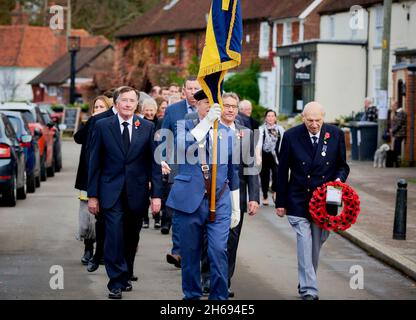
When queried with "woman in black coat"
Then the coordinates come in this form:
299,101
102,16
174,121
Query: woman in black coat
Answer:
86,220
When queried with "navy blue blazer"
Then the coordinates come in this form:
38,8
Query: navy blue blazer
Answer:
173,113
308,170
188,189
111,169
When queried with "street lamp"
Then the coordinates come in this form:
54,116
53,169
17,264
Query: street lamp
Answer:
73,48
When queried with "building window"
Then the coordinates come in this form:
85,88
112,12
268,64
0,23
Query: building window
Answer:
264,40
331,27
52,91
171,46
287,33
379,26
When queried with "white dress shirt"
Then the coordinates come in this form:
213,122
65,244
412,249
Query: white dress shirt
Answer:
130,126
314,135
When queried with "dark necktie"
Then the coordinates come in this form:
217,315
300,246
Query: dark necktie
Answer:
315,143
126,136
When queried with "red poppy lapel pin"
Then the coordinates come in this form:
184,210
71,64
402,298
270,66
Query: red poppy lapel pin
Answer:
240,134
325,147
136,124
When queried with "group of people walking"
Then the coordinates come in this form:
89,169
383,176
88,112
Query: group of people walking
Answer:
123,173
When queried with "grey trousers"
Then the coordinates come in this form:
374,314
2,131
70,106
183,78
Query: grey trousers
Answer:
310,238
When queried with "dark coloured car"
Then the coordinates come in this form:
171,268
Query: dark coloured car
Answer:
33,115
12,165
30,146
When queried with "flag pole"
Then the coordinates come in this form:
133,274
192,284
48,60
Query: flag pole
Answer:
214,173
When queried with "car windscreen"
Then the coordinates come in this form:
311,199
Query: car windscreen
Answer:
28,116
17,125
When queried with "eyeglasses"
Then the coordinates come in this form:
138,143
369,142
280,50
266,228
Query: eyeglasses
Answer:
230,106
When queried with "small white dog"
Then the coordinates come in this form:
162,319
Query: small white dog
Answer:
380,156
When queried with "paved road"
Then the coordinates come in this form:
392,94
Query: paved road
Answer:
40,233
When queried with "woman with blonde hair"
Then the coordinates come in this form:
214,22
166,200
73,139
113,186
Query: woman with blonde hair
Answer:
86,230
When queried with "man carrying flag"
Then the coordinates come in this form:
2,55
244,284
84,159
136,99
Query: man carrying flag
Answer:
213,205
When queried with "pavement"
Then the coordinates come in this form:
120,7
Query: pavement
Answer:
373,231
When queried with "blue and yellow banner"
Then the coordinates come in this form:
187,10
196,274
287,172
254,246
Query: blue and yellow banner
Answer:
222,50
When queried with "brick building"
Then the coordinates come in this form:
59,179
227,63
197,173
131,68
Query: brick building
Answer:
93,71
27,50
167,39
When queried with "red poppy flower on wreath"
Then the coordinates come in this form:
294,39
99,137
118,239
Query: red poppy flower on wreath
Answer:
341,222
137,124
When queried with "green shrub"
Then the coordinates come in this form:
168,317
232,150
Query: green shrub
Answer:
245,83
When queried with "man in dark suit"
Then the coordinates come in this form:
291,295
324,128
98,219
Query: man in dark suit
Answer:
121,167
174,113
314,153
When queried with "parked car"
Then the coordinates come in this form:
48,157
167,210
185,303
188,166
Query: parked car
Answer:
31,148
12,164
56,112
37,125
57,145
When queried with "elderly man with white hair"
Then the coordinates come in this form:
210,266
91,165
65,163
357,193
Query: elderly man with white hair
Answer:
245,109
314,153
370,111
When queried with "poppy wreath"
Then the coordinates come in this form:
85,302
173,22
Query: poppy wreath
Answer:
341,222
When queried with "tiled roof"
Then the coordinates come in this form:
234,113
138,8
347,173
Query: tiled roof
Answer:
28,46
333,6
190,15
59,71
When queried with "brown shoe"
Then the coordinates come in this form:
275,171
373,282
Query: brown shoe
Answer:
174,259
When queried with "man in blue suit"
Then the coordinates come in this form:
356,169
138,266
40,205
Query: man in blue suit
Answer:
314,153
190,197
121,167
174,113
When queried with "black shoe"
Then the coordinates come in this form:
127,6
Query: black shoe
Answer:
157,225
92,265
134,278
231,294
115,294
174,259
310,297
205,290
128,288
102,261
86,257
164,230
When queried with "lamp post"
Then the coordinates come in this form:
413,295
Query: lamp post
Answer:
73,48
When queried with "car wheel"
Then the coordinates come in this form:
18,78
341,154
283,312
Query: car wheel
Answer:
10,196
51,170
31,183
21,192
43,175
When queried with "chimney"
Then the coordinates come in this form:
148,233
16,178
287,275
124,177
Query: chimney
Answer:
19,17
